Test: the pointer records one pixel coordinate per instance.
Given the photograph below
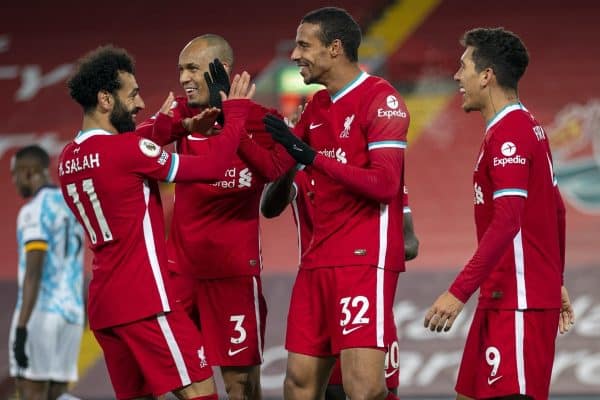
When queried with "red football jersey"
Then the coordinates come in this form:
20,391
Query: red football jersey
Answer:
350,228
357,175
109,182
515,160
303,212
215,227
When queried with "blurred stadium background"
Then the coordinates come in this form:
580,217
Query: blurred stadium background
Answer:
414,44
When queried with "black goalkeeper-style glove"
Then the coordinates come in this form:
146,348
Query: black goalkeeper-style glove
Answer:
217,81
280,132
19,347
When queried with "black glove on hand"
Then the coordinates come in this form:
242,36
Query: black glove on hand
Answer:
19,347
280,132
217,80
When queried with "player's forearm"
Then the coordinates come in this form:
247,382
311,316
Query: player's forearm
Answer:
271,164
212,165
278,195
506,222
31,284
161,129
380,181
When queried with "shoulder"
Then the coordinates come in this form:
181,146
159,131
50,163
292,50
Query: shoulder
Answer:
375,85
517,126
31,211
377,82
381,93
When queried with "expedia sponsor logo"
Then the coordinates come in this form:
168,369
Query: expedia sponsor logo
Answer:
392,102
381,113
504,161
508,149
338,154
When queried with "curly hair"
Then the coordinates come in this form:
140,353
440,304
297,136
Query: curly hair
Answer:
498,49
336,23
99,71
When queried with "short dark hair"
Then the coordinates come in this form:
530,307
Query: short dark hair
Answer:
34,152
97,71
223,50
498,49
337,23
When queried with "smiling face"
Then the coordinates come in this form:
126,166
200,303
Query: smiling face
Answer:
193,63
471,83
311,55
127,103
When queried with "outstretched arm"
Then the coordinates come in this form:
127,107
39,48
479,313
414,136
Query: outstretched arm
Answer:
506,222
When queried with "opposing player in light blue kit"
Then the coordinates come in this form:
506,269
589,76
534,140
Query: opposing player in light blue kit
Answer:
48,321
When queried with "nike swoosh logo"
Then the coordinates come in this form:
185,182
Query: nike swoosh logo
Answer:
314,126
348,331
491,381
232,353
388,374
190,137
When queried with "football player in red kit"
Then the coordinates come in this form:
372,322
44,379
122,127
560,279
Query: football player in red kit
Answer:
294,188
214,244
351,138
520,218
108,175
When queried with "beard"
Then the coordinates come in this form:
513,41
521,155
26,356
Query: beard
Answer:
121,118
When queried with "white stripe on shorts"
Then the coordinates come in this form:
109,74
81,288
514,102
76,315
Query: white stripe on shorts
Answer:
520,356
174,348
257,316
380,307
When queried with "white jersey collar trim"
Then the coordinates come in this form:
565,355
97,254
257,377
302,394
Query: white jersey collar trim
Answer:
84,135
350,86
503,113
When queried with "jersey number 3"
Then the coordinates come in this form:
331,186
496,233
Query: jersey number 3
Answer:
88,187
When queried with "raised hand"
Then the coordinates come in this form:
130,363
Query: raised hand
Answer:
202,123
293,119
240,88
166,108
280,132
217,81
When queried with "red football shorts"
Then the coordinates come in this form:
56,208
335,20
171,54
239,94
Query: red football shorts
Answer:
154,356
339,308
392,367
508,352
231,313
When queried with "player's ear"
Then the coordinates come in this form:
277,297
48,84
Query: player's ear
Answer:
105,100
487,75
336,48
